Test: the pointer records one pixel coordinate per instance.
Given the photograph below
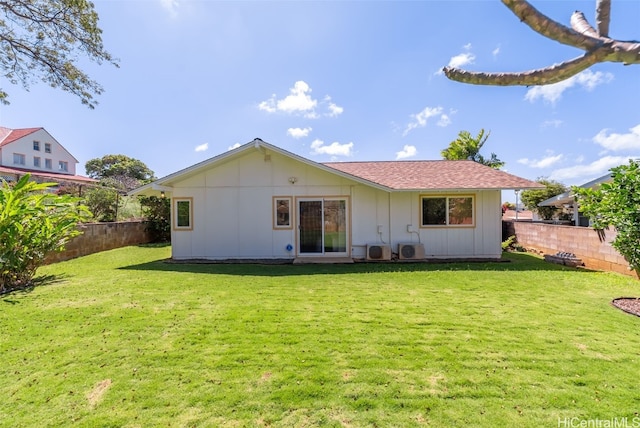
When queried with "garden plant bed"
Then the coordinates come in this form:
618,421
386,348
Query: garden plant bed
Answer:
630,305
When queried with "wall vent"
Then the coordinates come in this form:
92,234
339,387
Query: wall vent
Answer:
411,251
378,252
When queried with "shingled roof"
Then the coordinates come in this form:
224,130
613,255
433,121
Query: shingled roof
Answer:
433,175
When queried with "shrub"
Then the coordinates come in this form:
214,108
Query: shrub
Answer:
32,224
157,213
617,204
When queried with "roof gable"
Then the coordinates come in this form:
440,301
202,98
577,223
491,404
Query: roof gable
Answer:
384,175
10,135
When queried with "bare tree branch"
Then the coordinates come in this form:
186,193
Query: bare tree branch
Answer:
544,76
597,45
580,24
603,16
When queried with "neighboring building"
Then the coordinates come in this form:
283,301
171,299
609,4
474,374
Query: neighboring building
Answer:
261,202
35,151
567,202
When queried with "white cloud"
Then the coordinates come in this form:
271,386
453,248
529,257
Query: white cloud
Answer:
334,110
555,123
298,99
615,142
170,6
419,120
444,121
462,59
202,147
545,162
300,102
553,93
298,132
333,149
406,152
496,51
235,146
593,170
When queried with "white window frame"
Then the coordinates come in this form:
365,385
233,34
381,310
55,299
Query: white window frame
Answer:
21,159
47,147
36,145
36,162
63,166
48,164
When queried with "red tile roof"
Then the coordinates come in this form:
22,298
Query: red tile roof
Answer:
47,175
14,134
433,175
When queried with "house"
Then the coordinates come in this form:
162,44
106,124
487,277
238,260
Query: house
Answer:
259,201
35,151
566,200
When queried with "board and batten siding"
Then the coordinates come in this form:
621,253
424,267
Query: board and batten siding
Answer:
233,206
233,213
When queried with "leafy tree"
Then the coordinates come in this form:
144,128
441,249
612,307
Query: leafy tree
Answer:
102,202
157,213
617,204
119,171
32,224
467,147
531,198
46,39
596,43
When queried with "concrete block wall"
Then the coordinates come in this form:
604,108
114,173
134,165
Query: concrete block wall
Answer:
98,237
581,241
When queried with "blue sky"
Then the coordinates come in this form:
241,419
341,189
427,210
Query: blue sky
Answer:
341,81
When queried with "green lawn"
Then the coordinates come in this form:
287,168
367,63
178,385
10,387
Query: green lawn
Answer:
121,338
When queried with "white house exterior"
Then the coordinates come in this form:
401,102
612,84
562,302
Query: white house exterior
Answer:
261,202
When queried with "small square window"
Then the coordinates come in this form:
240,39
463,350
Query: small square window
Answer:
36,145
36,161
19,159
47,147
48,164
63,166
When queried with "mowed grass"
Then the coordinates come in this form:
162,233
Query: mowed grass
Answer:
121,338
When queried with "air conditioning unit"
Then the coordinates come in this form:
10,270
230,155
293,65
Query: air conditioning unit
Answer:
378,252
411,251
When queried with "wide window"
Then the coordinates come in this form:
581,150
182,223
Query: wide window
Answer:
183,215
18,159
447,211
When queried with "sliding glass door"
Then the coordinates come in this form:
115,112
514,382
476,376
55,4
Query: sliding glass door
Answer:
322,227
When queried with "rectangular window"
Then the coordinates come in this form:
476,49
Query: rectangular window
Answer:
447,211
282,212
48,164
63,166
47,147
183,214
19,159
36,161
36,145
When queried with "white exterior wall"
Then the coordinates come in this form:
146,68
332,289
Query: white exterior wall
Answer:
233,218
24,146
